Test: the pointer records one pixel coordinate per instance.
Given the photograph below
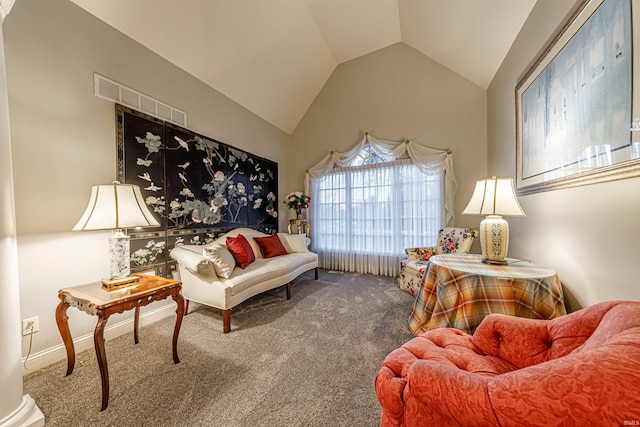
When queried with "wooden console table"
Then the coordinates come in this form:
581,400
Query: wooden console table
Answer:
458,291
93,299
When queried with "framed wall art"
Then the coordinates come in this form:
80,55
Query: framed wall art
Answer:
196,186
575,106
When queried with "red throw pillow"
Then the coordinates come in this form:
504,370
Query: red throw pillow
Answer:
270,246
241,250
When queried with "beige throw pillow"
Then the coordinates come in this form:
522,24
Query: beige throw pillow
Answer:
221,258
294,242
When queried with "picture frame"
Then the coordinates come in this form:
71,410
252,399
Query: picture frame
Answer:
575,106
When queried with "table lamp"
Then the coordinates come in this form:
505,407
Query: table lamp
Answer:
115,207
494,197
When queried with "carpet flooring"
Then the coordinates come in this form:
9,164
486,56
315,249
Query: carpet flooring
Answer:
308,361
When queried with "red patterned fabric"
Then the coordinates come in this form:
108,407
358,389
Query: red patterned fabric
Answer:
578,369
270,246
241,250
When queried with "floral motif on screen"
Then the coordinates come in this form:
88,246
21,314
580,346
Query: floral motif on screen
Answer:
196,187
227,196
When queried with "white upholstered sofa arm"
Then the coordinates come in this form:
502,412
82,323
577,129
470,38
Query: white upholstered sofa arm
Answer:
193,261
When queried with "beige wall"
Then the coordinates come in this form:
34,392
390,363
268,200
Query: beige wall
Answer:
63,141
588,234
397,93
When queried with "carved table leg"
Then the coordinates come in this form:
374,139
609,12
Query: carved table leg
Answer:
176,330
101,355
136,323
63,327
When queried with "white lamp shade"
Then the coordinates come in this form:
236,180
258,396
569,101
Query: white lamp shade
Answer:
494,196
115,206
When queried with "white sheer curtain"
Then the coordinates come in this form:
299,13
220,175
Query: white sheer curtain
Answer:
363,217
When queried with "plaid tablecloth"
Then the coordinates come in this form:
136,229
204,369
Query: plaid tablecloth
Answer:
459,290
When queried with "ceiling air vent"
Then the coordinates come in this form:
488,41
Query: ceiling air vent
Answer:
108,89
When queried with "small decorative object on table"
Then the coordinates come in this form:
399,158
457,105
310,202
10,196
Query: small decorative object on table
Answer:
297,201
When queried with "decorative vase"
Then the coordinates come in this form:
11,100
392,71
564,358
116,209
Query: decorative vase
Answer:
298,213
494,239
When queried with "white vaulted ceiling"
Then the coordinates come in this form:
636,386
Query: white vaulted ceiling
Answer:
274,56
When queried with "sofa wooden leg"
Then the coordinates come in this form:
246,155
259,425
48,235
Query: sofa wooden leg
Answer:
289,290
316,273
226,321
186,307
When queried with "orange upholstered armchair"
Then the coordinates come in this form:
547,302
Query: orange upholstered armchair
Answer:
578,369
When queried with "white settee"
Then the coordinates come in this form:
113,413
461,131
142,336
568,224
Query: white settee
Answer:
210,276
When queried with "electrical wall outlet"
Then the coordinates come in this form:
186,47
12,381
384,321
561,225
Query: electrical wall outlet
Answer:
29,325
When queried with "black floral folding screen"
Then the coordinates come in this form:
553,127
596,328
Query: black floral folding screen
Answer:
196,186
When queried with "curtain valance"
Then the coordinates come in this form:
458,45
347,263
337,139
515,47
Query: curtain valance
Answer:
427,159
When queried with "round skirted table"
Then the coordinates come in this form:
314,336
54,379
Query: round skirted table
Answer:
459,290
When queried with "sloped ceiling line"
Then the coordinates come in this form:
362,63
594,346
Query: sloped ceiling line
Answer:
273,57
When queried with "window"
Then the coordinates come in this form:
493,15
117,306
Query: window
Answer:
367,156
365,215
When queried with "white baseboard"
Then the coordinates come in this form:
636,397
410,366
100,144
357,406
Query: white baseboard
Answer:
55,354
